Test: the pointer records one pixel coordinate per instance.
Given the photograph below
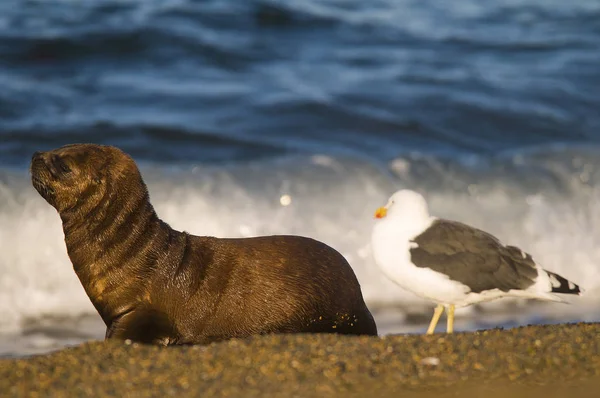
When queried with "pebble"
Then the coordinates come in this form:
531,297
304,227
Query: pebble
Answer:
529,359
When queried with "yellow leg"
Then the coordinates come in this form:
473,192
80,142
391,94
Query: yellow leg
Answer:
450,314
437,313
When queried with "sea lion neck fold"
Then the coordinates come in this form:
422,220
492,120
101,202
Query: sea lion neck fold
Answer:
153,284
106,220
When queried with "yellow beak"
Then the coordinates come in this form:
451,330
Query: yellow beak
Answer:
381,212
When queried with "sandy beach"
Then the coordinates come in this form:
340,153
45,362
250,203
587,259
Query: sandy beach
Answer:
544,361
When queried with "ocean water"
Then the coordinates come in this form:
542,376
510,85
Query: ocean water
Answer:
233,109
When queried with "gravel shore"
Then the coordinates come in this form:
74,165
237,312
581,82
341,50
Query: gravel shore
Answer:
545,361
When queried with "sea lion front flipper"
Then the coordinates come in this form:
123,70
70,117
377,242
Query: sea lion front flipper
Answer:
142,325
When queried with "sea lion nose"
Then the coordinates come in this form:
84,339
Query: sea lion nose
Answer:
37,160
39,156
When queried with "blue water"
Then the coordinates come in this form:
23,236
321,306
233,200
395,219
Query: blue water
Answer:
490,108
223,81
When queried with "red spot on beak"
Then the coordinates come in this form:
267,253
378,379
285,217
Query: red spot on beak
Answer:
381,212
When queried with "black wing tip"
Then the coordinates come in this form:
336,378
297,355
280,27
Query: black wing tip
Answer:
562,285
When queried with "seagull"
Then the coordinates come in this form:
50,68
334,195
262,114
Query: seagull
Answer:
454,264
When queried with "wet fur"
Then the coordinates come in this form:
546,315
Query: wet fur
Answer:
152,284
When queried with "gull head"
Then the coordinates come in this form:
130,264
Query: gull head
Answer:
404,204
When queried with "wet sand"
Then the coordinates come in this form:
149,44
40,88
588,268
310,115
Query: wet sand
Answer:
534,361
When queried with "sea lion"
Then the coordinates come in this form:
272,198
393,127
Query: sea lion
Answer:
153,284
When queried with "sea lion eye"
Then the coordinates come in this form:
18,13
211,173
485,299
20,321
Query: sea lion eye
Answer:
64,168
60,165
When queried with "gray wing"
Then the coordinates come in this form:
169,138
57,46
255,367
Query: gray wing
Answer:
473,257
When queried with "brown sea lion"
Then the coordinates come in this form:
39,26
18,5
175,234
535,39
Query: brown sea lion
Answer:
153,284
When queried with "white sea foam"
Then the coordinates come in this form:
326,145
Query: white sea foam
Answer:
554,218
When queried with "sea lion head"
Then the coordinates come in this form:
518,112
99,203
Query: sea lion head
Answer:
83,174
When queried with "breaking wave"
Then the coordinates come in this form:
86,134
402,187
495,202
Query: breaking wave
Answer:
546,201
